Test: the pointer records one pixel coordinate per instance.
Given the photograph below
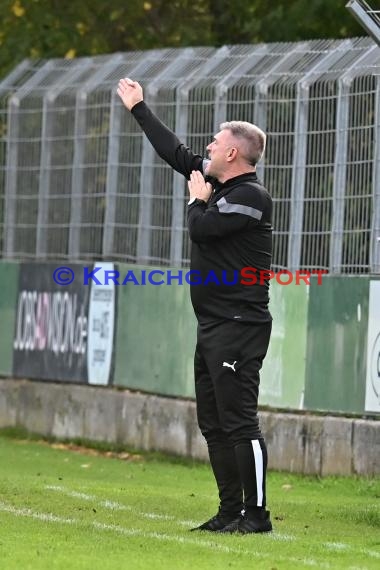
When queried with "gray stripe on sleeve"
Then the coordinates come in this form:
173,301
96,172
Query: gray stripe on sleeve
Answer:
228,208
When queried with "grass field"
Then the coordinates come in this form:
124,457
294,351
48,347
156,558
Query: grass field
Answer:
68,509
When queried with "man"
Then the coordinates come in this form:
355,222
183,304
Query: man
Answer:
229,221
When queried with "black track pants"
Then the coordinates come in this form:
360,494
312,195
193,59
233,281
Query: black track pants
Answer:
228,359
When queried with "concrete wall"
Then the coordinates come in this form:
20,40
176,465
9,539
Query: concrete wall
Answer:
297,443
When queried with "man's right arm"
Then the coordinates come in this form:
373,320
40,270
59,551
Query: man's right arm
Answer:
163,140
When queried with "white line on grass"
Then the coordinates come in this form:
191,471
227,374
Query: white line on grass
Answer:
275,536
371,553
24,512
120,507
336,546
107,504
50,518
340,546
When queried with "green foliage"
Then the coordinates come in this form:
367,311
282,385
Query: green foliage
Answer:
52,28
255,21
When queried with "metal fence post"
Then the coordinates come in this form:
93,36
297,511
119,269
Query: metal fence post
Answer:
13,134
112,175
300,152
181,122
113,158
79,153
147,166
45,160
261,94
222,86
340,164
375,230
11,164
7,224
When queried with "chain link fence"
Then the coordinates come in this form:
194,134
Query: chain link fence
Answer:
79,181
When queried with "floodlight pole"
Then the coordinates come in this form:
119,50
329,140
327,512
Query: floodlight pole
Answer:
368,18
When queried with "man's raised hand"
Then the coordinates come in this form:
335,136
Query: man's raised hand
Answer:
130,92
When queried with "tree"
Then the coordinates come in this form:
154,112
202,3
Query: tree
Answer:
52,28
244,21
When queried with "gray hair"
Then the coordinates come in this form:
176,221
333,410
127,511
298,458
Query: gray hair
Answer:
254,139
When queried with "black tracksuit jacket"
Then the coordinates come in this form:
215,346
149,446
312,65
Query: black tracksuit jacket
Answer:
231,232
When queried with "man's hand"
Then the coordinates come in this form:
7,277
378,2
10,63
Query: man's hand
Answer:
198,188
130,92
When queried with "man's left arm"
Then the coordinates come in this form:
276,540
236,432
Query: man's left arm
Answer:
228,215
206,224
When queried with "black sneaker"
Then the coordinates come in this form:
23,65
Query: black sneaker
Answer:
249,525
218,523
231,527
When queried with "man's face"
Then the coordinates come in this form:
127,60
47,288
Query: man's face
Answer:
218,151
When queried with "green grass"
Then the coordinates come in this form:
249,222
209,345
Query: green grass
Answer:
61,509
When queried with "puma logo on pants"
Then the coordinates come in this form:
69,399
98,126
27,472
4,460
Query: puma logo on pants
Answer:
230,365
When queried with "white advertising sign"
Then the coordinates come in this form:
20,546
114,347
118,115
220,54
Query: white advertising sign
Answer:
372,396
101,320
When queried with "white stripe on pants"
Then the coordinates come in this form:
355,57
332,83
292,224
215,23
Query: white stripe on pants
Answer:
259,469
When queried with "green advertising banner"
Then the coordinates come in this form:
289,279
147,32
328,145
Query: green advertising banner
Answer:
156,336
283,375
337,344
9,276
